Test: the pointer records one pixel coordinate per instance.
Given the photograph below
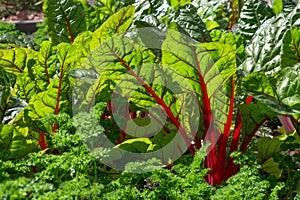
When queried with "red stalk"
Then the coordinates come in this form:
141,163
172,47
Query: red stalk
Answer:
220,174
231,167
42,142
68,24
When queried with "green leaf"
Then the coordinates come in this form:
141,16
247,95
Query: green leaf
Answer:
138,145
234,40
265,50
178,3
267,147
16,60
253,117
261,88
9,106
65,19
206,67
117,23
15,40
288,89
277,6
271,167
45,67
290,53
191,24
14,144
253,14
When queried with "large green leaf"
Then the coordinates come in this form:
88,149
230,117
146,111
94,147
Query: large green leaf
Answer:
56,97
265,50
206,67
65,19
253,14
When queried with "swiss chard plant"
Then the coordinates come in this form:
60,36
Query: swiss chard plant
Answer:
176,66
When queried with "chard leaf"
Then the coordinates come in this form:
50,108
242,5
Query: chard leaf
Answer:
234,40
25,86
65,19
282,96
16,60
277,6
188,20
17,41
253,14
9,106
56,98
253,116
178,3
264,51
44,70
290,53
271,167
14,144
267,147
207,67
117,23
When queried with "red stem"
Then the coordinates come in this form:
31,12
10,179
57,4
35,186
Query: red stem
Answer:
42,142
225,137
67,23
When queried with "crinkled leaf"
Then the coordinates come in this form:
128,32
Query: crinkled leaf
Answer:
253,14
261,88
178,3
65,19
264,51
282,95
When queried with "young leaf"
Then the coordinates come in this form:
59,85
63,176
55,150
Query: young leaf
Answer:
178,3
